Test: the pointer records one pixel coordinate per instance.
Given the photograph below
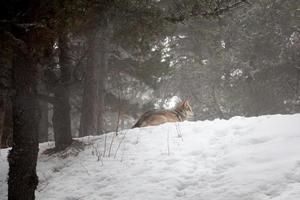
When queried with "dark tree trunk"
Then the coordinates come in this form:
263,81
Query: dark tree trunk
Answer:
44,111
61,105
88,121
43,123
7,126
102,73
2,119
5,96
61,118
22,158
93,105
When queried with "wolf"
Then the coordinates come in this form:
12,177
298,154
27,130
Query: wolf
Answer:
180,113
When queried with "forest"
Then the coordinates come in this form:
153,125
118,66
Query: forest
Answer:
76,68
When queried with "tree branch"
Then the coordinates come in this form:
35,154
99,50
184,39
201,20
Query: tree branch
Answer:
200,13
14,42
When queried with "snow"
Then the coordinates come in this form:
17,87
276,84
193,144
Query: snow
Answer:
253,158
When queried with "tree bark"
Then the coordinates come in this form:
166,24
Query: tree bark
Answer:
22,158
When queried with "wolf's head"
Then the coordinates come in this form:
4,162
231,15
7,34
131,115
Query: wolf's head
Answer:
185,108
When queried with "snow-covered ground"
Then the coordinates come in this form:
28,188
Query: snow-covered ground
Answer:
238,159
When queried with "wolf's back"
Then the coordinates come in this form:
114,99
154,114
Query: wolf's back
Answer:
156,117
144,118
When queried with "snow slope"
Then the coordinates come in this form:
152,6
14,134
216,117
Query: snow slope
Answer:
254,158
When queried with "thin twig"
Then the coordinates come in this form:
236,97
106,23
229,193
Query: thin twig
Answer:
168,142
111,143
104,150
120,144
119,102
97,153
179,132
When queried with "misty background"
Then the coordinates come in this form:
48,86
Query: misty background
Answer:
74,68
107,63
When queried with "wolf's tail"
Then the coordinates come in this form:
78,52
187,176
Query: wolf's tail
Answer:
137,124
142,119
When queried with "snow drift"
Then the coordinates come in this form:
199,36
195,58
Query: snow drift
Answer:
238,159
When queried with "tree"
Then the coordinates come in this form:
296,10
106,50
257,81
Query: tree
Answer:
27,30
241,65
88,121
58,75
113,36
5,96
61,105
22,158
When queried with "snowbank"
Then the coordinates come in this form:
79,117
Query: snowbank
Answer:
238,159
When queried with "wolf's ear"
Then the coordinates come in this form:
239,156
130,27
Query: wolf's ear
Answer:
184,103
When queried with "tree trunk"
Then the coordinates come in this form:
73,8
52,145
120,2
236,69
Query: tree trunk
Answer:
2,119
88,121
102,73
61,118
216,104
44,121
61,106
7,129
43,124
5,96
22,158
93,105
6,124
